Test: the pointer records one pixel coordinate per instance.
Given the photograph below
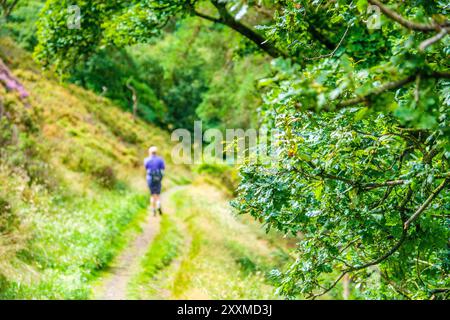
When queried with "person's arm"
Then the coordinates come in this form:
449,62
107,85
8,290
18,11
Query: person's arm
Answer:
163,167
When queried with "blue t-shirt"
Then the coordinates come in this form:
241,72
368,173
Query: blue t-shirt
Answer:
154,163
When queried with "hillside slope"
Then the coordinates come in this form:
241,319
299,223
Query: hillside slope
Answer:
70,182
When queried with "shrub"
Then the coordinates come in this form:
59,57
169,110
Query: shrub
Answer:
226,174
106,176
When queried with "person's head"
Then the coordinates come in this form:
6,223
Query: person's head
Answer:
153,151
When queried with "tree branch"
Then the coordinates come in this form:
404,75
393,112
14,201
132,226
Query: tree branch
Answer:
330,287
404,22
8,7
206,17
425,205
378,91
394,286
335,49
433,39
2,109
134,98
370,186
227,19
364,266
380,259
384,256
357,184
391,86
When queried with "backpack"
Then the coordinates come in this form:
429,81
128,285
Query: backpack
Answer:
156,175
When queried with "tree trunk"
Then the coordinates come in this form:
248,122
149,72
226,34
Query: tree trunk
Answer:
8,7
135,100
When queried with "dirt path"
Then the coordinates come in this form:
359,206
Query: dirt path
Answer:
127,264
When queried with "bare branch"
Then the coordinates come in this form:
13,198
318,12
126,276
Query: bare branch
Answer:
417,91
2,109
335,49
8,7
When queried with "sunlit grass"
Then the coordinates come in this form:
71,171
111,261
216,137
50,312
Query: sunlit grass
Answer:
221,258
72,242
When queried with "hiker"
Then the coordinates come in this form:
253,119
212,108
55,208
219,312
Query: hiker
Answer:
155,171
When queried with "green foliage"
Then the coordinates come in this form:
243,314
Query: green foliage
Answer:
63,38
21,24
120,23
362,166
340,202
185,96
178,77
233,95
112,72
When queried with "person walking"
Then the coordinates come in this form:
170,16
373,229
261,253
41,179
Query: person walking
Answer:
155,166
